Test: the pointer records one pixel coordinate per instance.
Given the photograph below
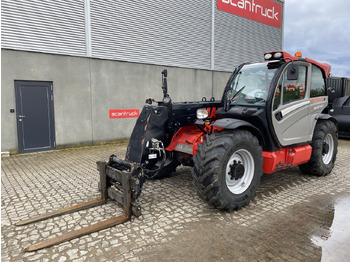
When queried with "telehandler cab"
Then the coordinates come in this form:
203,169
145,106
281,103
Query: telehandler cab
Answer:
269,119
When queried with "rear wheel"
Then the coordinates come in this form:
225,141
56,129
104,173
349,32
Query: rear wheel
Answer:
324,150
227,169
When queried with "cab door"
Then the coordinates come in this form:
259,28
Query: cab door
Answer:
291,107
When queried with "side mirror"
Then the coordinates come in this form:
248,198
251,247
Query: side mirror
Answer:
293,72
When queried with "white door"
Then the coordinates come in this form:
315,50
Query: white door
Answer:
291,107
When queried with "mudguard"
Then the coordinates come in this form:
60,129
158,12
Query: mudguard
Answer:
327,117
231,123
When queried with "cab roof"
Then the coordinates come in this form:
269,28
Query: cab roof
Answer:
326,68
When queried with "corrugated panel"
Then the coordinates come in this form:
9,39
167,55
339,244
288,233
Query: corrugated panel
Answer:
346,87
239,40
336,83
341,86
44,26
167,32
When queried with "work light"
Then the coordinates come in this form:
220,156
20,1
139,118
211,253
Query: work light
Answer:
202,113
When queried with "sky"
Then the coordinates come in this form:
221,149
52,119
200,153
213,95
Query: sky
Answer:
320,29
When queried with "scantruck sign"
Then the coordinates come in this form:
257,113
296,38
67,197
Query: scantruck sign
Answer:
124,113
263,11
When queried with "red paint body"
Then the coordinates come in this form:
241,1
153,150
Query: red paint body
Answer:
324,66
188,138
285,158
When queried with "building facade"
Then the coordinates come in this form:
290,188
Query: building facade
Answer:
75,60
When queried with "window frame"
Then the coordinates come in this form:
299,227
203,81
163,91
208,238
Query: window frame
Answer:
281,79
324,81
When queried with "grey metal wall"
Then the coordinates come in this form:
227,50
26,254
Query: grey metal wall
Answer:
341,86
162,32
44,26
168,32
239,40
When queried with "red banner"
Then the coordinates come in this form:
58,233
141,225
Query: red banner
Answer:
263,11
124,113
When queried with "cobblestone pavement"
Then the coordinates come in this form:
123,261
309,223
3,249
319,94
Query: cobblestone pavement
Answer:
289,218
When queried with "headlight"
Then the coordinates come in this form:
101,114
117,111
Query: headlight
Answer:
202,113
268,56
278,55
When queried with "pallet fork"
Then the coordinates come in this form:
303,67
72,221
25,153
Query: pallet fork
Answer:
125,186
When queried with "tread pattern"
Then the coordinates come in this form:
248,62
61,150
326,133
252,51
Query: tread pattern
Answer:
210,166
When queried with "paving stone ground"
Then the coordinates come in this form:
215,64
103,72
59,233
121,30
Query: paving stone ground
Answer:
289,218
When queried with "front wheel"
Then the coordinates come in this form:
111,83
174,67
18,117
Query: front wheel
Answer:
227,169
324,150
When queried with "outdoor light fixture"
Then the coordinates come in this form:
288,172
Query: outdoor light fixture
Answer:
267,56
273,55
298,54
277,55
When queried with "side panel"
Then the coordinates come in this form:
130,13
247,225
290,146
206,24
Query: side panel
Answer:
285,158
294,126
316,107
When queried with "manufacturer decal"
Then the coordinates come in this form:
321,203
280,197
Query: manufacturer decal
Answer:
212,111
263,11
124,113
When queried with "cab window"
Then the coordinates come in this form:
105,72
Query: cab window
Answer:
288,91
294,90
318,85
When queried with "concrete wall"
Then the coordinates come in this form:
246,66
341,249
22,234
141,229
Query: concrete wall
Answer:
85,89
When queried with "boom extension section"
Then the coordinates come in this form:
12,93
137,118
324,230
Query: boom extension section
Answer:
119,181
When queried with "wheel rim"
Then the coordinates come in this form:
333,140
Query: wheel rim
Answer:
328,142
239,171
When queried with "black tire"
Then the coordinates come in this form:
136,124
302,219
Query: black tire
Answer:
162,170
321,163
211,162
